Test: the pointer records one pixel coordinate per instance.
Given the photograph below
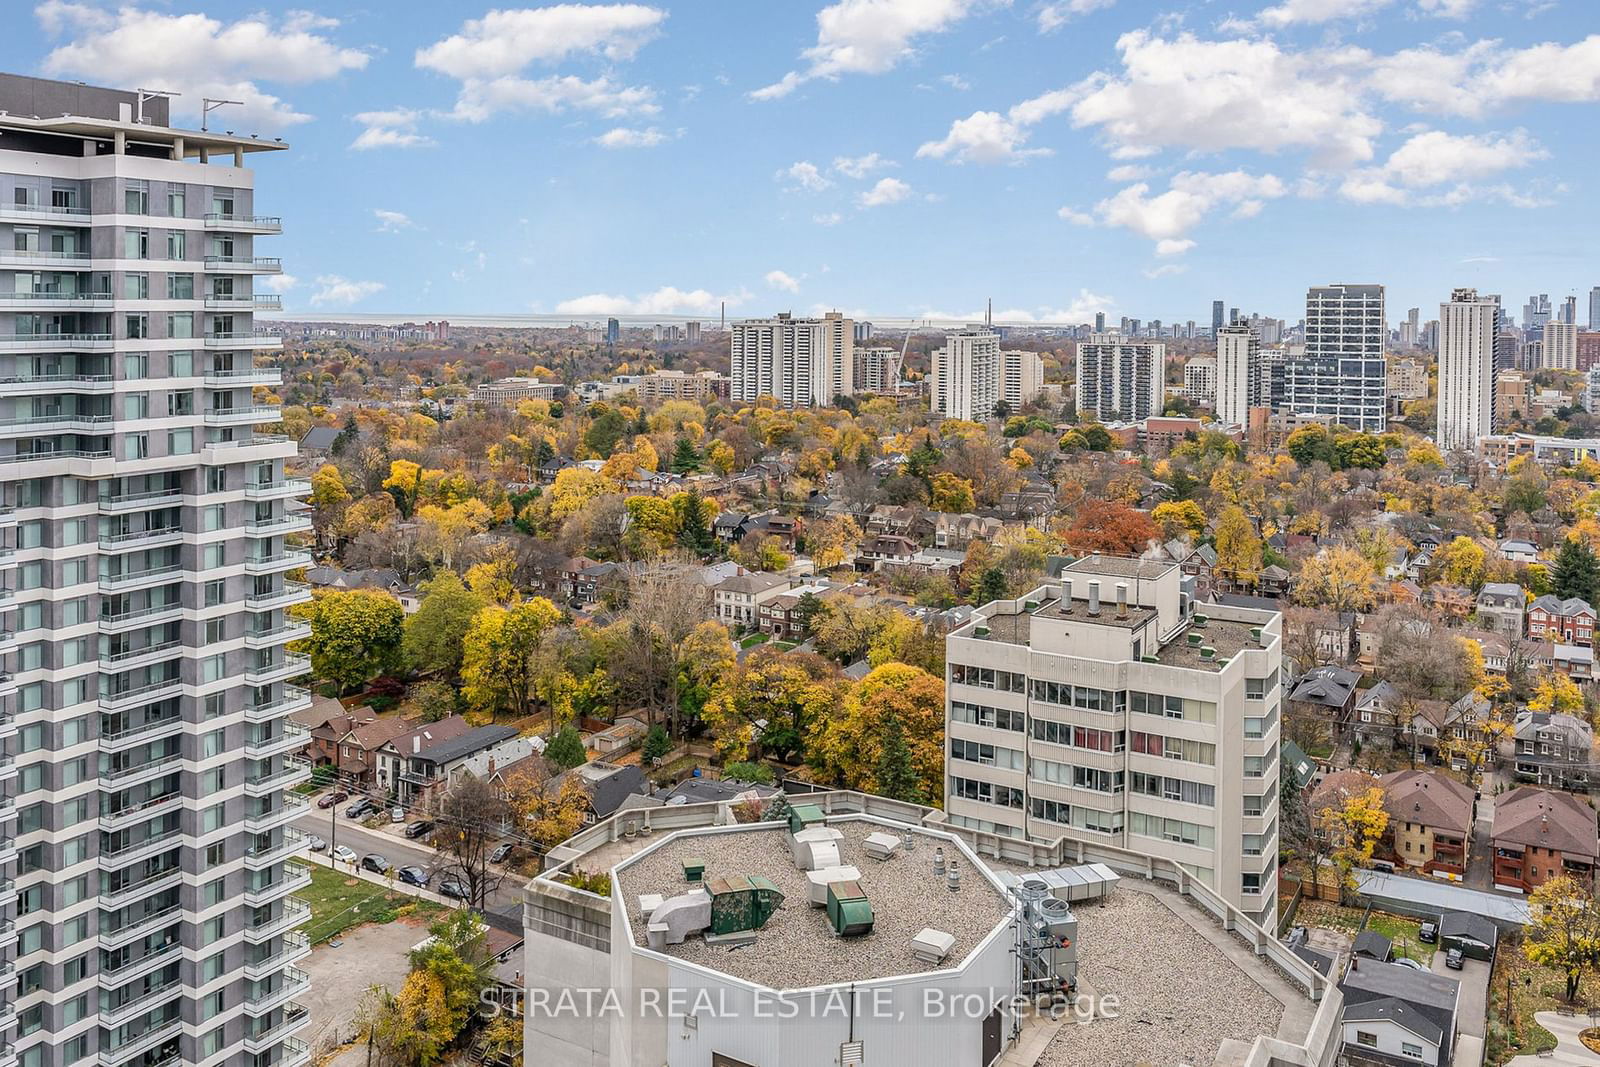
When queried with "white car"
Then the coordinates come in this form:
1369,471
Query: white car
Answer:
344,854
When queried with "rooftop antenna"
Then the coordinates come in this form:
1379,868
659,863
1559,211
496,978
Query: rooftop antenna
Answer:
148,94
208,105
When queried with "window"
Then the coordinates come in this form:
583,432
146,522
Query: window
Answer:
1250,882
177,244
988,678
136,446
971,751
987,792
175,202
135,365
180,287
180,324
1173,707
136,244
137,327
1186,792
135,198
1255,806
1176,748
1064,733
981,715
1175,830
1075,815
136,287
1092,778
1410,1049
180,442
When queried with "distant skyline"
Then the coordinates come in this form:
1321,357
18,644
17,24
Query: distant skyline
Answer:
889,158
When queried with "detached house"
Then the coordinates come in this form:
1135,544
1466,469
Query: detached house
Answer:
1395,1015
1569,621
1540,834
1327,693
886,550
1500,606
1430,820
737,601
1551,748
1519,551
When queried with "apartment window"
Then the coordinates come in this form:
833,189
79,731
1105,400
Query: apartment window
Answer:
1176,748
216,705
216,479
177,244
136,327
136,446
988,678
136,198
75,612
216,589
211,818
1075,815
136,406
1250,882
180,324
981,715
213,518
180,442
987,792
1260,688
1063,733
211,1044
989,755
211,930
214,893
1254,806
135,365
175,202
1175,830
1092,778
1255,766
180,287
75,1049
1079,696
1179,789
213,558
1173,707
136,244
136,287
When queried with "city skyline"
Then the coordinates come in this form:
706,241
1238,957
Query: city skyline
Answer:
1050,141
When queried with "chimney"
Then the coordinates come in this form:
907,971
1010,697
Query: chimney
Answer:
1122,600
1094,596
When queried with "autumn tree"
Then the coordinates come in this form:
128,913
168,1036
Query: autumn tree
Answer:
356,635
1110,527
552,808
833,541
329,498
1177,517
456,954
952,494
1238,547
1557,693
443,531
1461,562
470,818
767,705
1338,578
1564,930
853,748
1356,827
497,663
436,631
645,647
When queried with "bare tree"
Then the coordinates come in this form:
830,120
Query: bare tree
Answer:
666,601
470,818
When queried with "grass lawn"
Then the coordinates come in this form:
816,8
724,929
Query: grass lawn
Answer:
1534,989
753,640
339,901
1401,932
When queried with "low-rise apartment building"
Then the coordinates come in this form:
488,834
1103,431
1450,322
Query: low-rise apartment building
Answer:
1104,706
1540,834
1430,820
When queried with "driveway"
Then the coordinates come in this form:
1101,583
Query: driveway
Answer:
1474,999
375,954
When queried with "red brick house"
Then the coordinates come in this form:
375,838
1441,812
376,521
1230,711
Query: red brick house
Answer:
1570,620
1541,834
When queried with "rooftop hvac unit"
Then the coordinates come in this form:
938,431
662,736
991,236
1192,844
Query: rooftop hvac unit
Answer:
802,816
803,845
677,917
932,946
742,902
820,880
852,1054
849,912
815,855
882,846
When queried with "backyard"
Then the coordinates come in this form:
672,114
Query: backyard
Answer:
1402,932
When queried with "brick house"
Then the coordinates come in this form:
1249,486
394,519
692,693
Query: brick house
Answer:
1430,820
1569,621
1539,834
1550,748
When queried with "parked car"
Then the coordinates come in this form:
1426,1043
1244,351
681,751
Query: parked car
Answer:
1404,961
359,807
317,843
1453,959
450,887
502,852
374,863
412,876
418,828
328,800
1428,932
344,854
397,814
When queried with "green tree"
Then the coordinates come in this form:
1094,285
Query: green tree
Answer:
435,632
685,457
499,655
897,778
1576,572
656,743
355,635
456,956
605,431
695,514
747,771
566,750
991,586
429,702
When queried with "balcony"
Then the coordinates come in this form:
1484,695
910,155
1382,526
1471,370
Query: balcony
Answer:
283,561
56,342
143,887
144,772
292,667
134,851
227,451
294,1017
42,258
243,223
142,1003
8,933
110,505
293,843
278,635
74,462
50,214
145,924
117,820
283,524
222,379
293,981
291,593
134,969
138,617
144,694
296,947
292,807
295,771
294,912
134,539
288,488
63,423
236,302
245,416
156,1036
243,264
239,341
112,583
56,302
295,876
294,699
296,1053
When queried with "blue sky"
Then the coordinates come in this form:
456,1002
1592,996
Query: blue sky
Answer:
888,157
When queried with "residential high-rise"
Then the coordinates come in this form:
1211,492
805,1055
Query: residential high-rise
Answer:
1021,377
964,375
1341,373
613,331
1535,313
1409,328
1217,307
802,363
1120,378
1104,707
1238,374
1099,322
1569,311
874,370
1594,309
1200,380
1560,346
1468,330
862,332
144,843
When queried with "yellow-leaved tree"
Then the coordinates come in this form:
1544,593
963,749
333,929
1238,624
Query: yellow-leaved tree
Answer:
499,655
1564,931
1357,826
888,738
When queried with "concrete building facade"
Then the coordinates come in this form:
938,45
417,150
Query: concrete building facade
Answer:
964,378
1560,346
144,839
801,362
1119,378
1238,374
1468,327
1342,371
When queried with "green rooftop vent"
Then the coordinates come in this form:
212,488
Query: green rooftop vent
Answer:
802,816
1208,653
849,912
1033,605
1200,620
694,869
980,631
1194,640
1255,633
740,902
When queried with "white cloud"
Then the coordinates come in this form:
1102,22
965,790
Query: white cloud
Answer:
1211,96
956,82
623,137
1291,12
777,279
505,42
990,137
1053,16
187,53
1128,172
1081,309
338,290
869,37
277,283
828,218
1449,9
1076,217
887,191
396,128
1440,169
490,57
1166,218
805,175
860,166
392,221
1165,269
667,300
1486,76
